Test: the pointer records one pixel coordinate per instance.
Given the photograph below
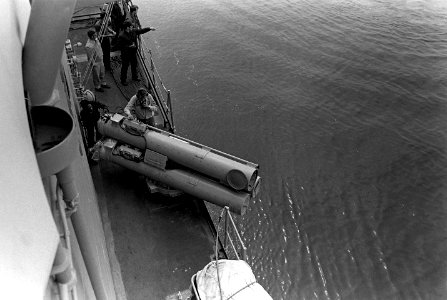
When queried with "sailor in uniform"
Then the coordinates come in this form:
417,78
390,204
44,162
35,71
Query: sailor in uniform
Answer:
142,107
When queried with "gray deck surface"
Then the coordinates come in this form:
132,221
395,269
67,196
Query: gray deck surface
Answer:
159,242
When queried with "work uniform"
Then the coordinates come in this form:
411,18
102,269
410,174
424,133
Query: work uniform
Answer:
144,113
128,45
105,43
89,118
94,51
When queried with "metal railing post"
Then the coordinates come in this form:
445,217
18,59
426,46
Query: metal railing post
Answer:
169,103
153,69
244,253
244,249
226,227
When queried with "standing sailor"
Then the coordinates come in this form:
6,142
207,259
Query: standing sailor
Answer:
89,118
127,41
134,17
95,56
107,34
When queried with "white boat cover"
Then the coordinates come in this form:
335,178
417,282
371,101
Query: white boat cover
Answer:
237,282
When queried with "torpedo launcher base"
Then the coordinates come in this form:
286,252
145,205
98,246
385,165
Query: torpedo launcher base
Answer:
221,179
236,173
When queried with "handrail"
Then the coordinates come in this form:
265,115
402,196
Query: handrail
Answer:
228,216
216,259
153,81
153,66
164,105
241,242
232,245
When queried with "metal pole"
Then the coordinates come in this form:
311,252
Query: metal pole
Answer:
226,227
244,253
87,225
170,110
153,70
41,60
93,251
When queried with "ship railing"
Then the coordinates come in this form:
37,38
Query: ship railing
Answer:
160,93
231,241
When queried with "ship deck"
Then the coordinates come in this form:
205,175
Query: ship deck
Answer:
156,243
159,242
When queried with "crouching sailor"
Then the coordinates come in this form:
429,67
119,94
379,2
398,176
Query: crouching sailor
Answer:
142,107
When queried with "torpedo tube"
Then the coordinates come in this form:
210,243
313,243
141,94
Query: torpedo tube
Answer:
236,173
143,162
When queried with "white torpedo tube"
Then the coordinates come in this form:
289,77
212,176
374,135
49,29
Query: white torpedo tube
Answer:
203,172
234,172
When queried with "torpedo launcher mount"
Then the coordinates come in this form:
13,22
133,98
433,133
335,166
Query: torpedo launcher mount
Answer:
206,173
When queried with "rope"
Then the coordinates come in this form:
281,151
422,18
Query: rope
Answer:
241,289
153,65
217,261
216,254
160,97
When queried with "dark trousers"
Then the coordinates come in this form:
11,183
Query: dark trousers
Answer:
90,131
105,45
128,57
92,134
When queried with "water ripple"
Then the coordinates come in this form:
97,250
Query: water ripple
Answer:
342,103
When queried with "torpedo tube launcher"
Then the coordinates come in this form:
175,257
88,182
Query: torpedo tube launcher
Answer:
237,173
237,179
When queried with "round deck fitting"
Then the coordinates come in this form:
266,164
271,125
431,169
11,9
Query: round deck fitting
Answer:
54,139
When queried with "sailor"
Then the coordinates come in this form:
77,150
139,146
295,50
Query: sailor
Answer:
127,41
89,118
95,56
134,17
142,107
117,16
108,33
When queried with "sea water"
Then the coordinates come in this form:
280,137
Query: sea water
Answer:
343,104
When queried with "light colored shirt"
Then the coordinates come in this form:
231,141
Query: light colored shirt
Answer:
140,112
93,47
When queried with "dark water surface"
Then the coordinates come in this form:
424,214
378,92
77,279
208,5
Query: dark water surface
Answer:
344,106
